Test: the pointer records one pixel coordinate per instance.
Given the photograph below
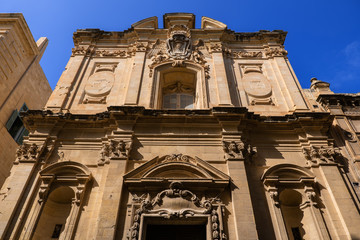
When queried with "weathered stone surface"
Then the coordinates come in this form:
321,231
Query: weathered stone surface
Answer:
183,126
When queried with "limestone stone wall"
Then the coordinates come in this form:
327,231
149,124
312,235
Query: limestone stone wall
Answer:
22,80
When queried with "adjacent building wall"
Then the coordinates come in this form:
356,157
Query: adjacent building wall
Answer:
22,80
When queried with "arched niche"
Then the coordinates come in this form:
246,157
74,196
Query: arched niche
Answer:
55,213
293,198
186,79
62,186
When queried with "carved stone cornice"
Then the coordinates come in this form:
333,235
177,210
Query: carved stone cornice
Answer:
263,36
348,103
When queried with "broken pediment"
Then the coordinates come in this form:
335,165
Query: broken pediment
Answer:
151,22
209,23
176,167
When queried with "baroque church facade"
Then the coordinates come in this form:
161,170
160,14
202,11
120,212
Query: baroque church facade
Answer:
185,133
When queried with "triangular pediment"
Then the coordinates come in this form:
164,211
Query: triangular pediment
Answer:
176,167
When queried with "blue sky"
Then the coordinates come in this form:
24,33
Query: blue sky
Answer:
323,36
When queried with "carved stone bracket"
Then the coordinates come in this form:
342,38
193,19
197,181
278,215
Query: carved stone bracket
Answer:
28,153
239,150
310,197
176,191
114,149
275,197
79,193
44,187
320,155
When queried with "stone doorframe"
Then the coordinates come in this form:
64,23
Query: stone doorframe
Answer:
209,211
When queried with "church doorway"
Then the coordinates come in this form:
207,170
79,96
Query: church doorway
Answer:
175,232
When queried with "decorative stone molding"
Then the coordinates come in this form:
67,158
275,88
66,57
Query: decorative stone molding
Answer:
276,52
114,149
177,158
28,153
256,85
178,44
288,176
203,208
82,50
99,84
46,181
156,173
215,48
243,54
238,150
114,53
320,155
177,50
54,173
275,197
141,46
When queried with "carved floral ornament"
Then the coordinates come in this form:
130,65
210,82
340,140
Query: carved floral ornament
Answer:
320,155
28,153
206,207
114,149
83,50
276,52
113,53
178,49
239,149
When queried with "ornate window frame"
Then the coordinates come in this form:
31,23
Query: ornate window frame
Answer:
200,91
